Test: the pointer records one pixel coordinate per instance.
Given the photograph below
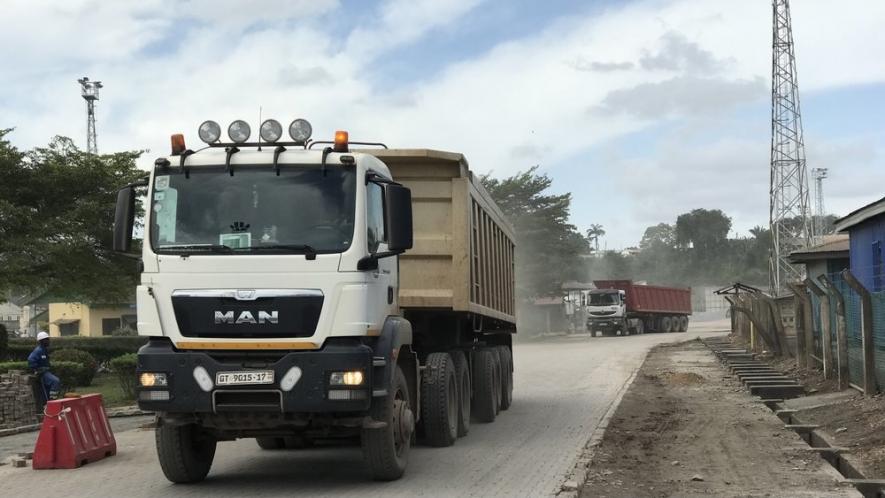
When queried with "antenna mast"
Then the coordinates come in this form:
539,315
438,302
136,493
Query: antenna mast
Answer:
89,91
789,219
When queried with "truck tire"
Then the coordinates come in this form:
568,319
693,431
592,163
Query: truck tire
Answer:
439,400
484,399
270,443
666,324
465,391
592,332
186,452
498,382
640,327
386,449
506,376
683,323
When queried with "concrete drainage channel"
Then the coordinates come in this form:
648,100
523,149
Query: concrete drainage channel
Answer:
773,388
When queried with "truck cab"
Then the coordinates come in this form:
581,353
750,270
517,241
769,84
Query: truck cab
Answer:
270,296
606,311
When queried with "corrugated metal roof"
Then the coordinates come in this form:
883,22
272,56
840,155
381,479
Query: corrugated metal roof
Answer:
833,246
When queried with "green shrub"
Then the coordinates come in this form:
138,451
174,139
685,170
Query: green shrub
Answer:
124,368
77,356
70,373
103,349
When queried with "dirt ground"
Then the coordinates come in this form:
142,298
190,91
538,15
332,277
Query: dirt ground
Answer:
848,418
687,428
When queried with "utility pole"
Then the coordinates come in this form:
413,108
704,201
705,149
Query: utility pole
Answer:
89,91
789,215
819,212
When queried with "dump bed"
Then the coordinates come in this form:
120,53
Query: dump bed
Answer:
651,298
463,254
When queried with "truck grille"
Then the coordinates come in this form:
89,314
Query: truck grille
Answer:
235,401
221,314
602,313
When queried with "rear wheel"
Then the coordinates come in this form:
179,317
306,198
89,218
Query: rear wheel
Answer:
506,376
465,391
186,452
439,400
683,323
484,399
640,327
386,449
665,324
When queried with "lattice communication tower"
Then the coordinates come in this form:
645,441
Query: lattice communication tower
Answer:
89,91
789,215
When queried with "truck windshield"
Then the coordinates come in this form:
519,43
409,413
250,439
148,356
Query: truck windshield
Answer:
304,210
603,299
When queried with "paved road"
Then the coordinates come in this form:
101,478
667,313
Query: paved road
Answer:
563,388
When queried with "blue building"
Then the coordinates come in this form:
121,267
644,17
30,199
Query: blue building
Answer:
866,227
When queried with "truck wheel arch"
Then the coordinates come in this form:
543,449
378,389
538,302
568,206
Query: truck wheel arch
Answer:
395,346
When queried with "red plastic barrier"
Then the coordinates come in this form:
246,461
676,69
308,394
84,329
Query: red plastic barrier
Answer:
75,431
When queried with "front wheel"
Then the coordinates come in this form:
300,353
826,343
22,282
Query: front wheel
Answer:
386,449
186,452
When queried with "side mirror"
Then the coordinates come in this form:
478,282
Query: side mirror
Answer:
398,217
124,219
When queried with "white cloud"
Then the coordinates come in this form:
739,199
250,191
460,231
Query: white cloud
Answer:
168,66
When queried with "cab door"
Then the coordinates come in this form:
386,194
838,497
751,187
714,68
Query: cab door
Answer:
383,289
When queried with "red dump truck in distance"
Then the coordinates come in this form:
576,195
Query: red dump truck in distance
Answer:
628,308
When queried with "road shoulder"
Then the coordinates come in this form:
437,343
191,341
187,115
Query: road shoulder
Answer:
686,428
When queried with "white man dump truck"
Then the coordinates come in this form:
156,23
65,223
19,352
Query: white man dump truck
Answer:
303,291
627,307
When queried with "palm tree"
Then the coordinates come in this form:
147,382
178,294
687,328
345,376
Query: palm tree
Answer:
593,233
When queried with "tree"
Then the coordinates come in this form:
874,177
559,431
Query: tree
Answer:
593,233
548,247
662,235
56,217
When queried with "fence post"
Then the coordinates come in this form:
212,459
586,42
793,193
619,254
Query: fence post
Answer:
804,337
738,305
777,322
866,327
841,334
826,343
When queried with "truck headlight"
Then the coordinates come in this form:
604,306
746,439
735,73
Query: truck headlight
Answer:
349,378
153,379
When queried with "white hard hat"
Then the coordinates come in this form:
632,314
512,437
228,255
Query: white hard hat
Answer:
42,335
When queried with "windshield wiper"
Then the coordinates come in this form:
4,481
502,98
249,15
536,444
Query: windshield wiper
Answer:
185,249
308,251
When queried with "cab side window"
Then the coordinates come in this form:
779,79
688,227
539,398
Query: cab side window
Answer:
375,216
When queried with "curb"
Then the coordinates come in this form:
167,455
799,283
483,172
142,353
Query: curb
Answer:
571,486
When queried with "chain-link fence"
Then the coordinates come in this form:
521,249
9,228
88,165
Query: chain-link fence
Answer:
832,323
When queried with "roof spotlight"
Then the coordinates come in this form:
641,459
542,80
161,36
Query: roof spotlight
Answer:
239,131
300,130
209,132
271,130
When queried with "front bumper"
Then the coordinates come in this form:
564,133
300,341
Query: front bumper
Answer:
604,323
309,395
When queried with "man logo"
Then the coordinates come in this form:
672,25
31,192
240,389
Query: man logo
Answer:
246,317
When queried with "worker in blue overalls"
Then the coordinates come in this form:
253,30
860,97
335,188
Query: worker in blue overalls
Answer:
38,362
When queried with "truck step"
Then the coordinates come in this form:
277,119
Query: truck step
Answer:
379,393
379,361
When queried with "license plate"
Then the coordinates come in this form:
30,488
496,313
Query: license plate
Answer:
244,378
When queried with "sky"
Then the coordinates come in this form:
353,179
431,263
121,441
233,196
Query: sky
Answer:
642,109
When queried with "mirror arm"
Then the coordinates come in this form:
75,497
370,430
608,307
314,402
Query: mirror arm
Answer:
370,262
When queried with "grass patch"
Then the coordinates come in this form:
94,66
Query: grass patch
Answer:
108,385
